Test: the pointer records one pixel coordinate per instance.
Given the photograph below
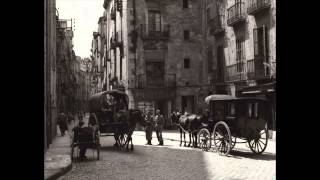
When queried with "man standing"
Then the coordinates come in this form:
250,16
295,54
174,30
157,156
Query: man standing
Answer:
62,123
149,127
159,120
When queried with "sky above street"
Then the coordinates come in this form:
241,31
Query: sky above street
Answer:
86,14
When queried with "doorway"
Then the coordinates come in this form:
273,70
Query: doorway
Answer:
187,104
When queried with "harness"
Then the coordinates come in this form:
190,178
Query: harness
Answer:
185,131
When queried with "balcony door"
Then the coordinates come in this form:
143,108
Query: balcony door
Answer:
154,22
261,48
155,74
240,54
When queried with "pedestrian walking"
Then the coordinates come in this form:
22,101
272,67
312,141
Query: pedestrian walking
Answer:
80,116
62,123
149,127
70,117
159,120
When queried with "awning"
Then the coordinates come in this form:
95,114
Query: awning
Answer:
263,88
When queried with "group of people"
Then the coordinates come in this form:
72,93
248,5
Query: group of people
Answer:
154,122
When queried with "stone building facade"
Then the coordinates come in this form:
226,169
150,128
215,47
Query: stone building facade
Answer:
155,50
50,74
241,46
67,68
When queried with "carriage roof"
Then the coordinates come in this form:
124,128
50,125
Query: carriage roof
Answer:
96,99
224,97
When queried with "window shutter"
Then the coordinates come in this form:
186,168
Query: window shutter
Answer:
265,43
255,42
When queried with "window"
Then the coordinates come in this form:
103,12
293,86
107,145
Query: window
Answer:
239,54
155,73
231,109
260,40
255,110
250,110
185,4
154,20
186,35
186,63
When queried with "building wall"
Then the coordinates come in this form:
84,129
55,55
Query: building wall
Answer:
228,40
50,72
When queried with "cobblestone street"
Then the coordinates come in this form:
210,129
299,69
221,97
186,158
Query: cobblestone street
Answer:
173,162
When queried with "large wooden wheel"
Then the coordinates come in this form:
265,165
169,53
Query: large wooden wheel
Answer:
259,143
222,138
204,139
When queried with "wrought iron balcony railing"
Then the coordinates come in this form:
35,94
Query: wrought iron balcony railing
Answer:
256,69
217,25
148,31
165,81
236,13
236,72
255,6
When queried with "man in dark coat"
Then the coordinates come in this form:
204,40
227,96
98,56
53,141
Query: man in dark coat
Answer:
62,123
159,121
149,127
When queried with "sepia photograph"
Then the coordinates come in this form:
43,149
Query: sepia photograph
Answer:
159,89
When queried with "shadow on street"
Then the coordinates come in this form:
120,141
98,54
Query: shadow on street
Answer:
242,154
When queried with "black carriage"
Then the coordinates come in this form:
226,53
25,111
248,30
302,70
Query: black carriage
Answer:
234,118
107,109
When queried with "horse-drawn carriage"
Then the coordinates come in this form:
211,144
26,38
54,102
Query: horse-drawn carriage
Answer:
110,114
233,118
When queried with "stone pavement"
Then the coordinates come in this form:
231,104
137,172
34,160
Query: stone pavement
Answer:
57,160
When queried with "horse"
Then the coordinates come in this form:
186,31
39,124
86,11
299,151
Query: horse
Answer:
124,133
189,123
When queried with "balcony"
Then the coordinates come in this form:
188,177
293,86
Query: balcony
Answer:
236,13
217,25
148,32
255,6
165,81
257,70
236,72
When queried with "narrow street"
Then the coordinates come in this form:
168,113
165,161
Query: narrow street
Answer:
173,162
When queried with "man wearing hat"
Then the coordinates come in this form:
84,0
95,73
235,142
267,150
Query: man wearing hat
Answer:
159,120
149,127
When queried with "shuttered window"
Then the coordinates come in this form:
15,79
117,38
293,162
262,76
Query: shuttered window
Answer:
260,41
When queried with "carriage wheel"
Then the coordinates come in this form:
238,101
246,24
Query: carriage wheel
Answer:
204,139
123,140
222,138
259,144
